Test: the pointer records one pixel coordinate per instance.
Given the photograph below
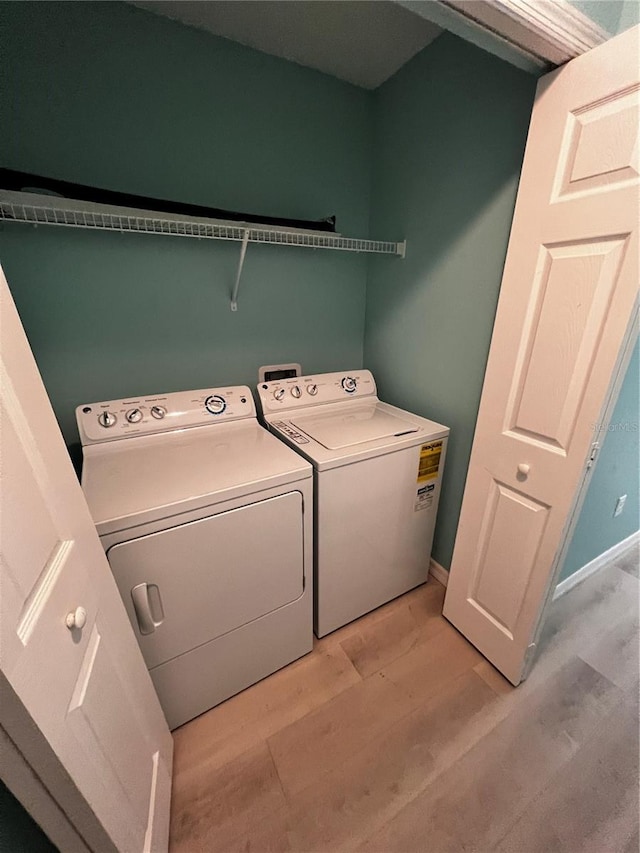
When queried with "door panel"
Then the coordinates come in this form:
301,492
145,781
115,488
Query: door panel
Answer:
34,545
568,295
85,688
600,148
95,726
568,307
511,517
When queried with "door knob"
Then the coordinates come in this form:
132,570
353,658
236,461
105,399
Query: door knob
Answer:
523,469
77,618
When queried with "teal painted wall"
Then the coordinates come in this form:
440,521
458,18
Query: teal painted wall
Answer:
450,134
109,94
616,473
614,16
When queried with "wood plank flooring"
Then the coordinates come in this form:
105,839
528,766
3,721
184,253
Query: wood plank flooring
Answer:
395,734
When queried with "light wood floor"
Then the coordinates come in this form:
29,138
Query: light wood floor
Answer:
395,734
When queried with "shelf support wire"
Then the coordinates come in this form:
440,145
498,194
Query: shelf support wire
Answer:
236,286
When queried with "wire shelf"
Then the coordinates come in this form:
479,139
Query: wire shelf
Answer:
51,210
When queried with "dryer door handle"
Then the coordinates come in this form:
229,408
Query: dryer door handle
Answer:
142,605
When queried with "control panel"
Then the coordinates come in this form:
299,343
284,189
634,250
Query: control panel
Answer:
299,391
113,419
290,431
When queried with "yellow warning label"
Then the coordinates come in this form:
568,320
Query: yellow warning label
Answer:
429,461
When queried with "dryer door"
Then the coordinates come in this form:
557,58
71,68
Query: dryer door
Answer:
190,584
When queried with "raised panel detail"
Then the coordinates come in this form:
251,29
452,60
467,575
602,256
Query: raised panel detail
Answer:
35,603
130,768
33,553
34,537
567,311
600,146
510,537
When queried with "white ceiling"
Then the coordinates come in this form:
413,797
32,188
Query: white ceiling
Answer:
360,41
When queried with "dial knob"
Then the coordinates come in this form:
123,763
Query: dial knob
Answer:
215,404
134,416
278,393
312,389
349,384
158,412
107,419
296,392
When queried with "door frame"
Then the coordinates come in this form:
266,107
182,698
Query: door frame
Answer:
517,31
622,363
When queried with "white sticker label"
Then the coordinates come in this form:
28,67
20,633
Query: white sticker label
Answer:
424,497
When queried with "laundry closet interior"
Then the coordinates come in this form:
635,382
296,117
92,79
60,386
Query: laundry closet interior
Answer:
424,155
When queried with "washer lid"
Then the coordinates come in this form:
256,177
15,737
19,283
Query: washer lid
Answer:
356,424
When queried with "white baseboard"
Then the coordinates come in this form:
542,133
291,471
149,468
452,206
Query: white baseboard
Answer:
596,564
438,572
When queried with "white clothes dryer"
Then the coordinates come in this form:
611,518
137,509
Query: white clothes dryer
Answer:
377,471
206,522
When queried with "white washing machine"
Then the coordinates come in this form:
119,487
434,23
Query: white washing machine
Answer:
377,476
206,522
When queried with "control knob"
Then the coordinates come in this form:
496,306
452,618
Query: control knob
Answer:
296,392
215,404
349,384
158,412
278,394
134,416
107,419
312,389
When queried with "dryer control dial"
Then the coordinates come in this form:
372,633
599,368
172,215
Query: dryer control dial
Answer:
349,384
158,412
215,404
296,392
107,419
134,416
312,389
279,394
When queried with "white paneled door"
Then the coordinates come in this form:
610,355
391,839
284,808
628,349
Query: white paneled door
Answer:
67,651
567,302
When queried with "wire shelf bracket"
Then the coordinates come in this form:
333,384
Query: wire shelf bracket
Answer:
236,286
37,209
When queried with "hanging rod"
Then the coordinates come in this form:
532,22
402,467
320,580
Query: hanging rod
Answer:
37,209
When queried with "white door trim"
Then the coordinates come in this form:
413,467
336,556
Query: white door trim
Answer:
596,564
551,30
